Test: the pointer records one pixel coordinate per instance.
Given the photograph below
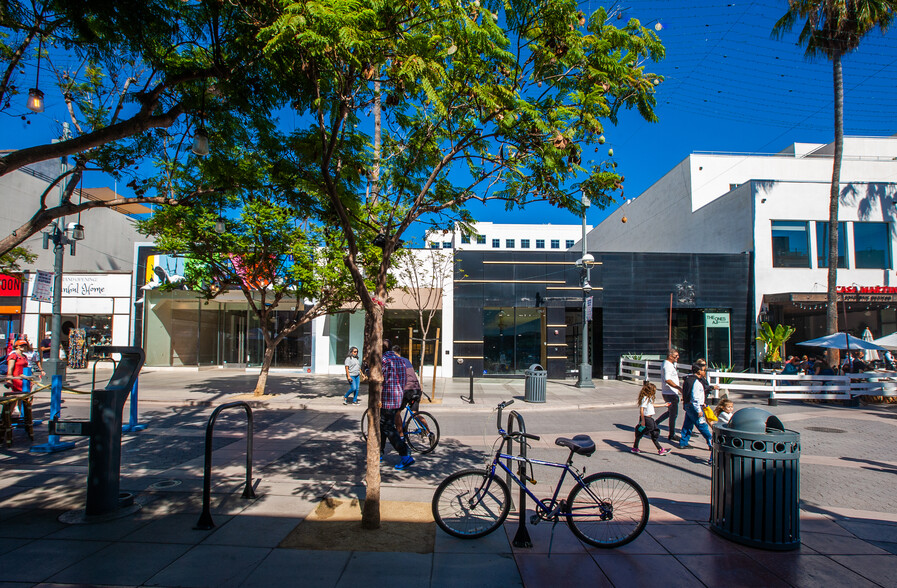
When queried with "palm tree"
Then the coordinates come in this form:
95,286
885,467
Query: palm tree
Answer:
832,29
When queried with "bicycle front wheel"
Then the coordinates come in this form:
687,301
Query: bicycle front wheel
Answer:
607,510
421,431
469,505
364,424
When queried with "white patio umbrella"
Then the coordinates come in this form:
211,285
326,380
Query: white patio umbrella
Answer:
870,354
888,341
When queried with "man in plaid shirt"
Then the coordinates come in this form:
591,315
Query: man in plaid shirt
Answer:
391,395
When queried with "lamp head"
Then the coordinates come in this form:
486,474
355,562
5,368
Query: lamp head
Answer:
75,231
35,100
200,142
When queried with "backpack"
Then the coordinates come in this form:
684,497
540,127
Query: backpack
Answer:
687,384
4,365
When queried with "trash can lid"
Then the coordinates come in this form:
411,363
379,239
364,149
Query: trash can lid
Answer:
535,367
755,420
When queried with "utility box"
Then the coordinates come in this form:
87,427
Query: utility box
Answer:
755,481
104,429
536,378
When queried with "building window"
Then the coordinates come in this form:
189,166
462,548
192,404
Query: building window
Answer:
570,243
871,246
509,243
465,239
822,245
496,243
555,243
481,239
446,244
434,245
524,243
790,244
540,243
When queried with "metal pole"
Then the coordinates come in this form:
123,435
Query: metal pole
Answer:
56,367
585,369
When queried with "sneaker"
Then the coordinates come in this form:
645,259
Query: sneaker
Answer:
663,452
432,438
345,402
405,463
357,402
635,450
674,437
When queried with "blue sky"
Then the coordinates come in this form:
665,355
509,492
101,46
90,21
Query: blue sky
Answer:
728,87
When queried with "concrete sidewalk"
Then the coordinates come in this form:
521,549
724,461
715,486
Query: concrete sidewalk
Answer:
300,457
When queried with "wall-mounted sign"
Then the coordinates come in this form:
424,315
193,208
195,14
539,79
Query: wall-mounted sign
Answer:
716,319
866,289
10,295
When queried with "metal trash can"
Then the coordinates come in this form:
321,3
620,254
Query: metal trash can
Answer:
755,481
534,387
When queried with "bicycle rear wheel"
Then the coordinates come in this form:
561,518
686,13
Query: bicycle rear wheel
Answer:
463,508
608,510
364,424
421,431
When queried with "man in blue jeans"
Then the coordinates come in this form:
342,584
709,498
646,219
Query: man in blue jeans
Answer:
391,396
694,393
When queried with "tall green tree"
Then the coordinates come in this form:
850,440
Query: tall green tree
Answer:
407,111
832,29
126,79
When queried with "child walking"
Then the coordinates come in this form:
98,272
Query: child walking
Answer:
646,424
724,410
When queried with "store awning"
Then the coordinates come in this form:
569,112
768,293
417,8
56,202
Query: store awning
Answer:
820,297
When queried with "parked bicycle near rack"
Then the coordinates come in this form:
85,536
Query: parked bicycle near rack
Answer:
605,509
421,429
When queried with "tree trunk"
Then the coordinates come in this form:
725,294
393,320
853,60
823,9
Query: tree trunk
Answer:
373,355
266,365
831,313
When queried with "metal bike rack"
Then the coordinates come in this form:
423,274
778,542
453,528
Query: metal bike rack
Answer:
469,399
521,539
205,519
93,379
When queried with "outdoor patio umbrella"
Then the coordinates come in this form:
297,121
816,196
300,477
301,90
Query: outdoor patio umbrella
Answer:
871,354
841,341
888,341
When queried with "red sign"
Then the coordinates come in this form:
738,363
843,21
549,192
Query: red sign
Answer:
866,289
10,286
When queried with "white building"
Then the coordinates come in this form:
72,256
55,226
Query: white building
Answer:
776,208
96,289
508,237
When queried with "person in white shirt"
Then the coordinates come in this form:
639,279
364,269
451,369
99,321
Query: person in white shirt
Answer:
671,391
694,393
646,425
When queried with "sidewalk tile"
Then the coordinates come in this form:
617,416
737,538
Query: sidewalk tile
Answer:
800,569
411,569
877,568
40,559
176,528
293,567
121,563
253,530
545,537
494,542
624,569
685,539
539,570
730,569
871,530
10,544
644,544
823,525
833,544
212,566
32,524
887,546
483,570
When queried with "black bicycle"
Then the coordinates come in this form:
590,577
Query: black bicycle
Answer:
421,429
604,510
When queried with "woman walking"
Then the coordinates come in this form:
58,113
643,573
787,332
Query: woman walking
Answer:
353,375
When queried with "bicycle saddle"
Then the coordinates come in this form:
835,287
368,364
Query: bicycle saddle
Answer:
581,444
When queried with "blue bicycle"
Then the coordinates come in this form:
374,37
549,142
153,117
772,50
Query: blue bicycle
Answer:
605,509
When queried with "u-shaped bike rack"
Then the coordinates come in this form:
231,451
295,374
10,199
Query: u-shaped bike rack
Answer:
205,519
521,539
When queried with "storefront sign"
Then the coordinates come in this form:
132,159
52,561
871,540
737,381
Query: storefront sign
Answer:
43,287
10,295
866,289
96,286
716,319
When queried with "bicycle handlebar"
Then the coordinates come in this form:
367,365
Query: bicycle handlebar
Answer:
501,407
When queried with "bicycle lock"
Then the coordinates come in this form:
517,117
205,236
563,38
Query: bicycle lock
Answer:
205,519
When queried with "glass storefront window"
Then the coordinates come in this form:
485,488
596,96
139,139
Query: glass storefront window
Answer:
822,245
790,244
512,339
871,245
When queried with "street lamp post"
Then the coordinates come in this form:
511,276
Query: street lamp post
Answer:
585,369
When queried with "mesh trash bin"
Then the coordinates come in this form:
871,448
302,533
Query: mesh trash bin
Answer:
755,481
534,387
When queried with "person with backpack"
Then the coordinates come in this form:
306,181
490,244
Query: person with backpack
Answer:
694,394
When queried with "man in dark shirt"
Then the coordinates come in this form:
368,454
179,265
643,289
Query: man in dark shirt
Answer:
45,346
